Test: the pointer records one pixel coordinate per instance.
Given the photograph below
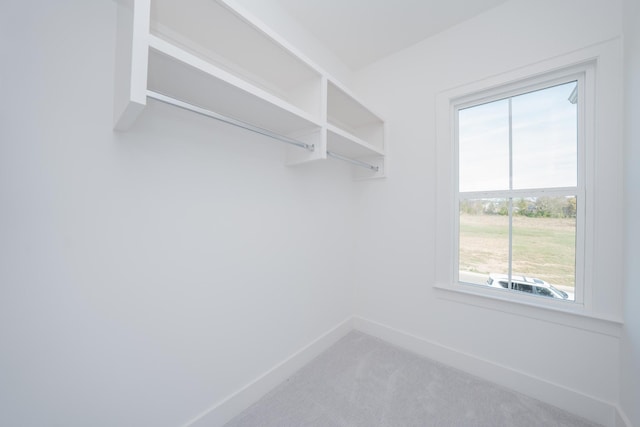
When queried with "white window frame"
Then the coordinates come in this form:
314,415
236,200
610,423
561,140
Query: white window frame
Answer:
599,306
583,74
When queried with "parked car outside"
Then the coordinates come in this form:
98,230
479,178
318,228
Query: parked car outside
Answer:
530,285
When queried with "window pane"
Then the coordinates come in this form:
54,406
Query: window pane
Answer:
484,239
544,244
545,138
483,135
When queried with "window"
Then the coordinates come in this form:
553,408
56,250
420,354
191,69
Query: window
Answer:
520,195
597,189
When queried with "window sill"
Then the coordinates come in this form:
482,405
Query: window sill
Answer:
575,316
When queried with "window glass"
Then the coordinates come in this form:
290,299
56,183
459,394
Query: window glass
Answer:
484,239
544,240
543,292
522,287
522,153
484,147
544,133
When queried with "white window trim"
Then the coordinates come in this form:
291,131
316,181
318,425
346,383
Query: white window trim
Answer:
584,75
587,61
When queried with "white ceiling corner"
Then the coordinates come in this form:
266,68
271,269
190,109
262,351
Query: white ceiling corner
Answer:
361,32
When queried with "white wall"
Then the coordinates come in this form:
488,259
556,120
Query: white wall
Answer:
276,17
397,239
630,367
148,275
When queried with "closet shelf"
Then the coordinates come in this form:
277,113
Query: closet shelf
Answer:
216,58
179,74
346,144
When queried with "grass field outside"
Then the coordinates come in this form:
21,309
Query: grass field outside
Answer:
542,247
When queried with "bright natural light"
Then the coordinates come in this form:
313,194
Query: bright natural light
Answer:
518,199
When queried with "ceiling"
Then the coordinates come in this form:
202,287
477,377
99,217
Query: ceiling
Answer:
360,32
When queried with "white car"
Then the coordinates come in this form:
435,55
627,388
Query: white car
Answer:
528,285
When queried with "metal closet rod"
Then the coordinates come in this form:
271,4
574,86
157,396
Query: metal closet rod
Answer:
353,161
211,114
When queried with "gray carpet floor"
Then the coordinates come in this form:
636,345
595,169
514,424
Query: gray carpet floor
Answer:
362,381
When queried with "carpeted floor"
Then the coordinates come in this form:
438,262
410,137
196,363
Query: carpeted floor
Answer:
362,381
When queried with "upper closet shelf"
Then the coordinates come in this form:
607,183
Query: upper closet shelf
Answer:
179,74
216,57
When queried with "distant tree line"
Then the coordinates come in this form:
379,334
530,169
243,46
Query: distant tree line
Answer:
538,207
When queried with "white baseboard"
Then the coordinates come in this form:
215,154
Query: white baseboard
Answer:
578,403
573,401
225,410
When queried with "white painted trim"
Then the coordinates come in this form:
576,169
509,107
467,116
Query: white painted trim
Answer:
599,296
573,401
580,404
131,62
222,412
582,73
561,312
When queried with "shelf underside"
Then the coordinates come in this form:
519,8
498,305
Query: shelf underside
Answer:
213,31
347,145
215,90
